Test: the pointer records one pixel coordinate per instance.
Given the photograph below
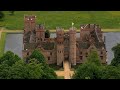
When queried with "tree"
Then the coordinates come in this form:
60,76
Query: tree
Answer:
1,15
4,71
9,58
38,56
116,59
93,58
22,70
91,69
88,71
12,67
47,34
48,72
111,72
31,70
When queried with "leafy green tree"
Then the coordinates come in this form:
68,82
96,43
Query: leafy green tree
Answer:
93,57
9,58
47,34
110,72
48,72
4,71
12,67
22,70
1,15
91,69
38,56
31,70
116,59
88,71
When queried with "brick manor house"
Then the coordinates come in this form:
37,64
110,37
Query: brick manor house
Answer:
71,46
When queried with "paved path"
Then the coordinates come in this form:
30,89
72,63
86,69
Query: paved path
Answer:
59,73
67,73
66,70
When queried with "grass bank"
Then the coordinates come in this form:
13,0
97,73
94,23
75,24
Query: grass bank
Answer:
53,19
2,43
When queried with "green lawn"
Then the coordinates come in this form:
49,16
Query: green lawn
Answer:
53,19
2,43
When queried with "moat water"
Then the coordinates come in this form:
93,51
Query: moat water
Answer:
14,43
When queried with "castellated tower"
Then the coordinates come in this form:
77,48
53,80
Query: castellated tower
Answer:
72,46
60,46
29,23
40,33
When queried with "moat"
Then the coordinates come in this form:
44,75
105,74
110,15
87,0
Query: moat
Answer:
14,43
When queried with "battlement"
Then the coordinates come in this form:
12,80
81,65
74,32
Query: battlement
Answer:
72,30
29,16
59,31
40,27
89,26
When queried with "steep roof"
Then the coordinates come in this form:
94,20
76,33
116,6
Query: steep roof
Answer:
48,45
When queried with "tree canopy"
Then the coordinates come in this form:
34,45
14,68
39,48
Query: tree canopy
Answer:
38,56
13,67
116,59
93,57
92,69
9,58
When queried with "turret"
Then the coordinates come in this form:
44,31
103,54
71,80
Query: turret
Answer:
72,46
60,46
40,33
29,23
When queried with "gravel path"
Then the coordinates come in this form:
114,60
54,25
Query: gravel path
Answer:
67,73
